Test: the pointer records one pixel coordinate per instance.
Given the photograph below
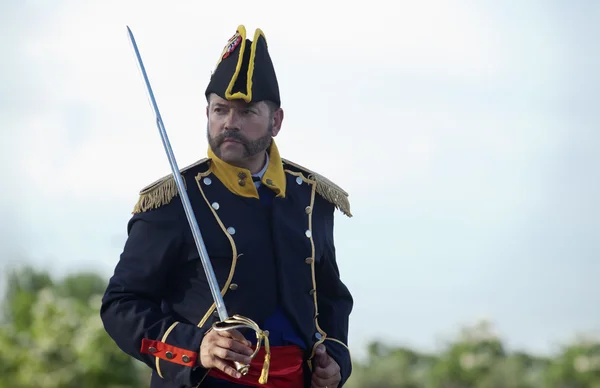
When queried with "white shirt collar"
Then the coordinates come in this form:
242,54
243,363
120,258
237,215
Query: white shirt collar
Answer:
262,172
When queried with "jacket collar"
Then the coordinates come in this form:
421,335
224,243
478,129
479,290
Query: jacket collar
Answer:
239,180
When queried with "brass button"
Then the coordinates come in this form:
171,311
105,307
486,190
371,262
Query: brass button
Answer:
233,286
309,260
242,175
269,182
152,349
185,358
308,209
242,182
169,355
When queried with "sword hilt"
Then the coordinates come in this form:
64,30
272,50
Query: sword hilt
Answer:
239,322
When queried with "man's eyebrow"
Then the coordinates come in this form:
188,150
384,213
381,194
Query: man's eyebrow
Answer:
252,105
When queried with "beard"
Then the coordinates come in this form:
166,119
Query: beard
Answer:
251,147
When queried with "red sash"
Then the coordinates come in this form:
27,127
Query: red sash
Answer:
285,371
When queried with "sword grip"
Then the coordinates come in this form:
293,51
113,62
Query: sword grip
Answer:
242,368
238,322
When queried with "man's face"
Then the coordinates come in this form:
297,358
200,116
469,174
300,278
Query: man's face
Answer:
238,131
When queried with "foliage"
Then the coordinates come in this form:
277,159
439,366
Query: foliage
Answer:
56,338
477,359
52,337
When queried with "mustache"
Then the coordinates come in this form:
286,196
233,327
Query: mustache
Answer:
229,134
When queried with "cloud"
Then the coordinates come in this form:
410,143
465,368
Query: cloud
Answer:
89,72
464,134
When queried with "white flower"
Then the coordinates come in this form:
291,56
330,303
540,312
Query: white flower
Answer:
468,360
582,364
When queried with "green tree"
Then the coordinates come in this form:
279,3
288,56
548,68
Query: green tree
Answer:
518,370
577,366
388,367
468,359
56,338
478,359
53,337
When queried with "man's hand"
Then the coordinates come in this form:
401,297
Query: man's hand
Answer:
326,372
220,348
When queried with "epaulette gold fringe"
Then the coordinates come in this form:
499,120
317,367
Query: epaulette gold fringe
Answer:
327,189
159,195
160,192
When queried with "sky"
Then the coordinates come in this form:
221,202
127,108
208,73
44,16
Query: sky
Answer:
467,137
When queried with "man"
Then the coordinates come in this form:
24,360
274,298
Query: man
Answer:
267,224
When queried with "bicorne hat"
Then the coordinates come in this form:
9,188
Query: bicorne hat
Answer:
245,71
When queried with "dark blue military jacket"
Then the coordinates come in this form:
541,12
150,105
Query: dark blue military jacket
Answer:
158,306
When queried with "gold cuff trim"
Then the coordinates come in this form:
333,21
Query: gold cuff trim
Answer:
341,343
309,361
164,340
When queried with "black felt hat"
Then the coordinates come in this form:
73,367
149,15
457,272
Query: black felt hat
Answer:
245,70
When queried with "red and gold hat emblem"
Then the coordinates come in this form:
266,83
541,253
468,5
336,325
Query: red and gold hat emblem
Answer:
232,43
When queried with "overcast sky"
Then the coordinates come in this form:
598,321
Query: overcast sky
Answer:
467,136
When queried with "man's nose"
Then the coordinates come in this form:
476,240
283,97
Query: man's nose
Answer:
233,121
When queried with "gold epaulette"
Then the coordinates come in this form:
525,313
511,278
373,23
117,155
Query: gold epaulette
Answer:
327,189
160,192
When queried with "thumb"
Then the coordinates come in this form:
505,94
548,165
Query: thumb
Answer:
321,356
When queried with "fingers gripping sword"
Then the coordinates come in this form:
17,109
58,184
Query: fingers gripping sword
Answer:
226,322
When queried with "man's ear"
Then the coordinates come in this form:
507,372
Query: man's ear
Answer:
208,99
277,121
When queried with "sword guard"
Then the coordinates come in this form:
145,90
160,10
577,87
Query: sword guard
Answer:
239,322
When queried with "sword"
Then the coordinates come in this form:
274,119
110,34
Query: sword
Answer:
226,322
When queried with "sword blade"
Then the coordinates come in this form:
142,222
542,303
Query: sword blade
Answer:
206,264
